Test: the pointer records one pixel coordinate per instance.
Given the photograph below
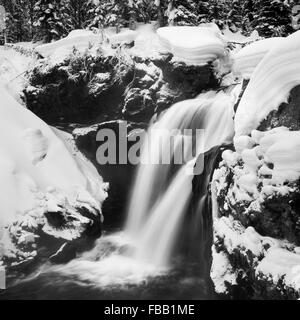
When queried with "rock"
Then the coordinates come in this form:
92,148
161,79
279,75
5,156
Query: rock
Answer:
249,199
120,177
139,105
202,210
288,114
83,88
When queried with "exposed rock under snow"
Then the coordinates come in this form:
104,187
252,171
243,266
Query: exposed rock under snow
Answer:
281,264
275,261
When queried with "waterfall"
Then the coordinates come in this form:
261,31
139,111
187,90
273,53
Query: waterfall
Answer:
161,195
161,199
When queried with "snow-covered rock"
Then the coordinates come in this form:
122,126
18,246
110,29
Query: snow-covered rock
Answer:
13,67
125,37
44,184
247,59
194,45
249,262
256,187
58,50
270,85
238,37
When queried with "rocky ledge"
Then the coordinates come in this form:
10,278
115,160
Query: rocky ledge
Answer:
95,88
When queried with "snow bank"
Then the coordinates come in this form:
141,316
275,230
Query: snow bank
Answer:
270,160
247,59
34,161
282,148
222,272
79,39
238,37
125,37
281,264
194,45
270,85
13,66
147,41
270,258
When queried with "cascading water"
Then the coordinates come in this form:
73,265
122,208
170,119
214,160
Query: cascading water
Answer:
160,201
160,197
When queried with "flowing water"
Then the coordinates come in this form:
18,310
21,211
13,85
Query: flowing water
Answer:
142,262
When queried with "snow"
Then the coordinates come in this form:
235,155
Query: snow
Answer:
41,172
194,45
270,85
248,58
281,264
221,272
264,165
238,37
34,160
236,236
282,148
13,66
270,258
79,39
147,41
125,37
82,40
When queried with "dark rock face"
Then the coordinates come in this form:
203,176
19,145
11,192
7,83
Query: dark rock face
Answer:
80,89
119,176
112,91
201,214
88,89
288,114
181,81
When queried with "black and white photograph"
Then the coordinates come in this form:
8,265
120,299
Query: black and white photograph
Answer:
149,151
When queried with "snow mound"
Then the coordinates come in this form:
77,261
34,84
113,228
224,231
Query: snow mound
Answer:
34,161
272,259
194,45
238,37
270,85
125,37
13,66
79,39
247,59
281,264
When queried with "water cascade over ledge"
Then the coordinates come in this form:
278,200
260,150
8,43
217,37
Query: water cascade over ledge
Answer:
161,195
160,200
